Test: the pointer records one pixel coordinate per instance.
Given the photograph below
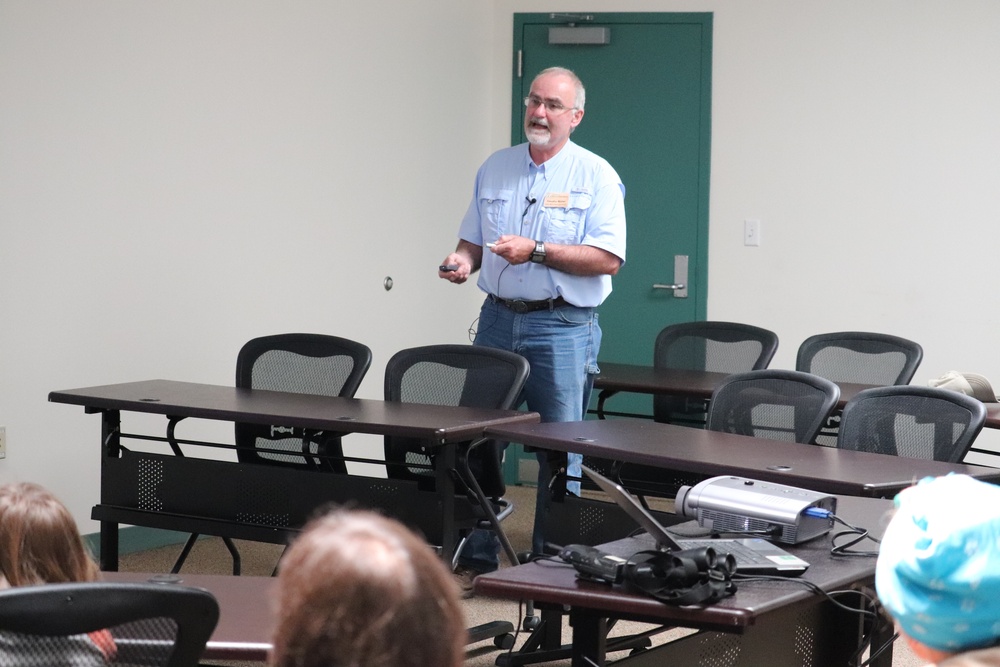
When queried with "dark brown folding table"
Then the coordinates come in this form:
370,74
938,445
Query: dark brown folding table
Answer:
772,623
694,450
179,491
992,415
246,611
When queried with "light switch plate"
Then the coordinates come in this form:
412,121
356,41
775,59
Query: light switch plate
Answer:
751,232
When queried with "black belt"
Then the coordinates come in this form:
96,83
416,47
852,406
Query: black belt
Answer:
521,307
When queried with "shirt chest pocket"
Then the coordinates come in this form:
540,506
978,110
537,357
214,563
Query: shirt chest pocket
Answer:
494,207
566,225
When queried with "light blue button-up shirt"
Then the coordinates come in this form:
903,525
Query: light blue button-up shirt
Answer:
578,199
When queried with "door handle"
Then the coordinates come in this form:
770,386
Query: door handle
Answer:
680,284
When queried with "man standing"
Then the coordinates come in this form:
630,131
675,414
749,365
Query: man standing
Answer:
551,217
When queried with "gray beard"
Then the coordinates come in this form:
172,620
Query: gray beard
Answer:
538,137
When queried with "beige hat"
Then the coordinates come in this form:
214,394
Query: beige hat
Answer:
973,384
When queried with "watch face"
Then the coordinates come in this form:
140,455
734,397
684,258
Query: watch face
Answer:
538,256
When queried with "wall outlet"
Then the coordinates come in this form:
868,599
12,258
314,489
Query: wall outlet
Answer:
3,442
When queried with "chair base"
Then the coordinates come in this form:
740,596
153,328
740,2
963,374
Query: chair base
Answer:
501,632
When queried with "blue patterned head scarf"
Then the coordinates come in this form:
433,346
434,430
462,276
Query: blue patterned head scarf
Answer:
938,570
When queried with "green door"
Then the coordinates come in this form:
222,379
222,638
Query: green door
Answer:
648,112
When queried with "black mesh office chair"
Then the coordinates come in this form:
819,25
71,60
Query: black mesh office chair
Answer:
105,624
912,421
302,363
769,403
773,404
468,376
719,347
858,357
459,375
306,364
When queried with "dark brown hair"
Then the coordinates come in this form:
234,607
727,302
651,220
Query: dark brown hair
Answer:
39,540
359,590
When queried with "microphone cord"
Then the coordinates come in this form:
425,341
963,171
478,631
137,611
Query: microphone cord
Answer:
473,330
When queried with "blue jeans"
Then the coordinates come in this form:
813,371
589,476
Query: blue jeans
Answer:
561,345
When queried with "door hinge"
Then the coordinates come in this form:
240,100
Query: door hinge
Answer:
520,63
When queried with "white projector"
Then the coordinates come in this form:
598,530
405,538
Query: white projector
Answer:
728,504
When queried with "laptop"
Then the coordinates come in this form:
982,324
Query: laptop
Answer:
754,556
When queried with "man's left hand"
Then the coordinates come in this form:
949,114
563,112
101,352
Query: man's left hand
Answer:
515,249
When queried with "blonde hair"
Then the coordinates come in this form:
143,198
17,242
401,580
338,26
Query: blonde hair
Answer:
357,589
39,540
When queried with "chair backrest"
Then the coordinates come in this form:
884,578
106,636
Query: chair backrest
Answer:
105,624
912,421
459,375
720,347
774,404
860,357
302,363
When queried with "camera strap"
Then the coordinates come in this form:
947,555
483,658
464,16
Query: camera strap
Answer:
692,576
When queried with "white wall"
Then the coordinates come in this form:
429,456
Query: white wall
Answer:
865,136
176,178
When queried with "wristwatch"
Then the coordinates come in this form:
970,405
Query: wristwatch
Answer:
538,256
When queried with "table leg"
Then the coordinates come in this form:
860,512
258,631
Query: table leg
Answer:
882,633
110,449
484,503
590,633
109,546
445,466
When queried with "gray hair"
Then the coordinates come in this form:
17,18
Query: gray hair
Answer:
581,93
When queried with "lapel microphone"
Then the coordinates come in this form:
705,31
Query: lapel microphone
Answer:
531,200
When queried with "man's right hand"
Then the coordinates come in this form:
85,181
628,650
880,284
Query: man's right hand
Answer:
466,260
463,269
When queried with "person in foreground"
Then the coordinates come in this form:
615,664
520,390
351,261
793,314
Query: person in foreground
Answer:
40,544
551,218
39,541
938,570
357,589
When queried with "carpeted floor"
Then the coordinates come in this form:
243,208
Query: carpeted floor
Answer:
210,556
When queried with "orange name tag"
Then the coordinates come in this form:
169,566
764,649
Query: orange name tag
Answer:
556,200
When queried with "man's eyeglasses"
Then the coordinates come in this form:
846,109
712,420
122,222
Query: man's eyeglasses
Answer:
553,106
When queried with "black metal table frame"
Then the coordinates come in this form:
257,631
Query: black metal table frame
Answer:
183,493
